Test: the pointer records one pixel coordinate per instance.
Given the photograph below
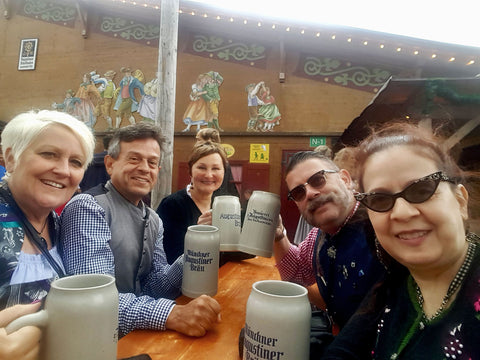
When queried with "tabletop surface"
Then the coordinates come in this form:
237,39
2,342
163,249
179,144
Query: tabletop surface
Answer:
234,286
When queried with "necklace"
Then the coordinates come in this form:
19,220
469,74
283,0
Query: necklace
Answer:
454,285
43,227
354,210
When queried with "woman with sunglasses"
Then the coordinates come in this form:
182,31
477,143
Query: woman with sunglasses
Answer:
428,306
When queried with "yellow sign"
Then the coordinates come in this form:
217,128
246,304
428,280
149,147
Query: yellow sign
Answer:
259,153
229,149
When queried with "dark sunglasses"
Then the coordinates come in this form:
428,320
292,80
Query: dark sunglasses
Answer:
417,192
317,181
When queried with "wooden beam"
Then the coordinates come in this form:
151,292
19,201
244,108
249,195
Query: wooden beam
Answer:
6,9
281,75
462,132
167,73
83,14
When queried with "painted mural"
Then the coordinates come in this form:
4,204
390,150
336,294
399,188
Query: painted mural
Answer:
127,103
204,102
148,105
107,91
263,111
97,96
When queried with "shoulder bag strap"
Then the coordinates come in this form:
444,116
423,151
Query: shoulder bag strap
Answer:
31,233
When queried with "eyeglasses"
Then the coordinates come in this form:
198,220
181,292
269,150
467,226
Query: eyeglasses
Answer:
317,181
417,192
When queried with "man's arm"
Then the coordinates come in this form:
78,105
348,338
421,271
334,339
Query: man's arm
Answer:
84,239
194,318
164,280
294,263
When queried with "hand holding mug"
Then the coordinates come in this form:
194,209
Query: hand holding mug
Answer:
23,344
280,231
205,218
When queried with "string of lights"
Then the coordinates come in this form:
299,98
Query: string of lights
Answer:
404,48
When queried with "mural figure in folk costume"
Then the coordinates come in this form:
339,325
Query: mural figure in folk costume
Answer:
127,103
198,111
268,113
68,104
148,105
253,101
212,96
89,98
107,91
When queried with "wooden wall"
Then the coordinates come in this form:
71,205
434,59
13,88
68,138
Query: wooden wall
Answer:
308,107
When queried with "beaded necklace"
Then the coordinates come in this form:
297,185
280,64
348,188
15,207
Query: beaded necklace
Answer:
421,320
454,285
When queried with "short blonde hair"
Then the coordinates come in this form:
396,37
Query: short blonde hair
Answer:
24,128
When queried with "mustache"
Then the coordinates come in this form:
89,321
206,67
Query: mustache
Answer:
319,201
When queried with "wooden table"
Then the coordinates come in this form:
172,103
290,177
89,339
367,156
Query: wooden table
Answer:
234,286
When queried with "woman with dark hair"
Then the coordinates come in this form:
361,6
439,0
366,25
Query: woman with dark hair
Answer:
428,306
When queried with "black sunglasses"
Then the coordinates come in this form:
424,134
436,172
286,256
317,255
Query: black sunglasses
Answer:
417,192
317,181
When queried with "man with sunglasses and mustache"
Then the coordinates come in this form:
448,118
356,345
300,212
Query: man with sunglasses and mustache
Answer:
335,254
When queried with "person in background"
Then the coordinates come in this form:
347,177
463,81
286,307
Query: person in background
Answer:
109,230
303,227
46,154
192,205
228,186
345,159
335,255
96,172
23,344
428,307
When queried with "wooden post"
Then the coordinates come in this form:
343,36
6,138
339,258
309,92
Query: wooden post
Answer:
167,72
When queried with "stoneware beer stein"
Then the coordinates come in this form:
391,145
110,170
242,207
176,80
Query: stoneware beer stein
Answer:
226,217
261,219
201,261
277,324
80,320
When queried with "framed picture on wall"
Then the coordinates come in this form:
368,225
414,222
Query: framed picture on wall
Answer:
28,54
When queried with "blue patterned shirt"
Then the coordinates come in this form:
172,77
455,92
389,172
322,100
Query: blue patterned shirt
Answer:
85,247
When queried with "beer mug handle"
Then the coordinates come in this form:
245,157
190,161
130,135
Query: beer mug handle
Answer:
37,319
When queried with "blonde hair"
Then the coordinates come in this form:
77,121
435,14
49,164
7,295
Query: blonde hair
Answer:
24,128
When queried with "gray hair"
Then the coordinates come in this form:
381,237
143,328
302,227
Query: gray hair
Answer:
302,156
141,130
24,128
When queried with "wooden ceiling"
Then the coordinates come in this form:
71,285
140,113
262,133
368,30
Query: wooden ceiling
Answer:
452,104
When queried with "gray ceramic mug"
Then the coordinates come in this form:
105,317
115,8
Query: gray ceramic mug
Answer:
226,217
80,320
201,261
277,323
261,219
